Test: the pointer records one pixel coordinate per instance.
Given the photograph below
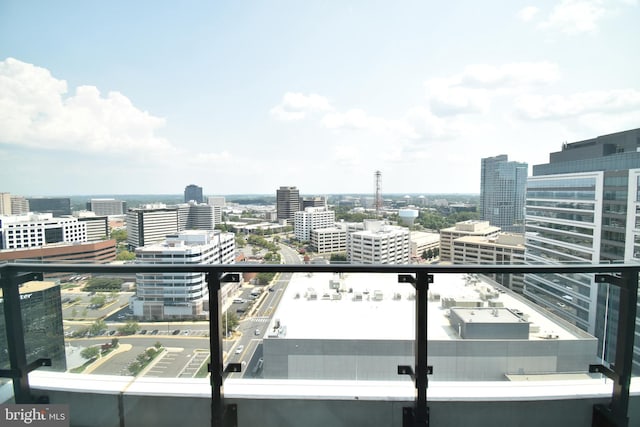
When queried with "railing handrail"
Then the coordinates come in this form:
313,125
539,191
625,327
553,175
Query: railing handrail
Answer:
41,267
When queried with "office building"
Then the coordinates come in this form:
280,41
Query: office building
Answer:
582,207
461,229
34,230
421,242
41,310
19,205
477,331
57,206
378,243
97,227
502,193
185,295
107,207
330,239
200,217
287,203
193,193
313,202
503,249
151,224
5,204
311,219
218,203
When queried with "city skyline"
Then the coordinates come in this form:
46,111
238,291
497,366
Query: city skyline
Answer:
144,98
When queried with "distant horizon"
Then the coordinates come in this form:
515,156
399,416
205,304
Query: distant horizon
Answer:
239,195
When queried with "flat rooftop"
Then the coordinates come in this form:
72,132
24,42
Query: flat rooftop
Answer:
377,307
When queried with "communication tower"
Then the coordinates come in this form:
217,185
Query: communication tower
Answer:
377,201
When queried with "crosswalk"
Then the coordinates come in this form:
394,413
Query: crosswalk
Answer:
261,319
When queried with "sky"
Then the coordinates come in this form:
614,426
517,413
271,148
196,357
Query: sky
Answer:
242,97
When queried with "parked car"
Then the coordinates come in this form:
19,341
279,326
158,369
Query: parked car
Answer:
239,349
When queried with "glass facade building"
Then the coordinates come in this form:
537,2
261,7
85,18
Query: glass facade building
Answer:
582,207
502,192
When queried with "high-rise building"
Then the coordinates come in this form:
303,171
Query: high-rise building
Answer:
5,204
58,206
502,193
169,296
287,203
582,207
193,193
106,207
311,219
378,243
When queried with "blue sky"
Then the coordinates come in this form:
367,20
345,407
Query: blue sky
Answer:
126,97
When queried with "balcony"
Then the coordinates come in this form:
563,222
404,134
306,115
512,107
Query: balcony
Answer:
420,395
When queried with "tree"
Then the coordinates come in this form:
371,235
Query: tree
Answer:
90,353
119,234
425,255
115,342
103,284
338,258
98,300
125,255
240,241
232,318
130,328
264,278
97,327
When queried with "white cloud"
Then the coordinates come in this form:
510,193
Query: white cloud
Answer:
472,90
560,106
575,16
528,13
295,106
356,119
37,111
206,159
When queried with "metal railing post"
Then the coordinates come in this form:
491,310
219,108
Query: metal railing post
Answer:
616,414
215,340
421,369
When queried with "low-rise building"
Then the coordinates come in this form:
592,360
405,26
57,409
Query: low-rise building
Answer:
310,219
505,248
462,229
477,331
422,242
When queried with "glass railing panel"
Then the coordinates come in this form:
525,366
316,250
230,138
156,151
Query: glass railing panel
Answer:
330,326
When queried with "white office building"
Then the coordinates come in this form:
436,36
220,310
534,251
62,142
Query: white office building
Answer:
182,295
378,243
310,219
330,239
34,230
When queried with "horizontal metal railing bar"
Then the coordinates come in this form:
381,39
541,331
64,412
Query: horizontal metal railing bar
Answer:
316,268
